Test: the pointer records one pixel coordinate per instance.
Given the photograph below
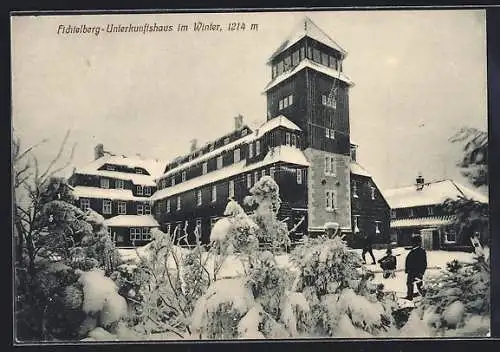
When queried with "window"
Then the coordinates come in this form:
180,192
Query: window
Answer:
393,213
139,190
271,171
249,180
299,176
244,132
327,133
287,138
280,104
302,53
450,236
168,205
178,203
210,147
280,67
250,150
106,206
231,189
256,176
333,62
355,189
263,173
198,227
295,58
85,204
198,197
324,59
290,100
146,234
330,200
122,208
219,162
372,192
147,190
204,168
411,213
309,52
330,166
294,140
183,176
257,147
104,183
377,228
275,71
430,211
332,133
135,234
287,62
226,140
316,55
285,102
110,167
147,209
173,181
236,155
138,171
119,184
214,193
356,222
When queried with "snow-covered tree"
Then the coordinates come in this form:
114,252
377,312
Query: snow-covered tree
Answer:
474,163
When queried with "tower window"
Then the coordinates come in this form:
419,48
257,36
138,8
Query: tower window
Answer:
330,166
104,183
324,59
214,193
236,155
316,55
330,200
295,58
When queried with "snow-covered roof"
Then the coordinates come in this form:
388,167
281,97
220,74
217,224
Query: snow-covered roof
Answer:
307,28
131,220
331,72
431,194
104,193
422,222
283,153
153,167
358,169
279,121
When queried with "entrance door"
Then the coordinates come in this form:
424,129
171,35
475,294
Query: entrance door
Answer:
426,239
436,243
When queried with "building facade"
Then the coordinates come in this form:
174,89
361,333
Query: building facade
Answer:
417,210
303,144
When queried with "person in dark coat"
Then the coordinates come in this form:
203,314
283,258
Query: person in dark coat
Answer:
388,263
415,266
367,248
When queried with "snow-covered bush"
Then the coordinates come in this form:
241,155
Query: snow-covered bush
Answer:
342,300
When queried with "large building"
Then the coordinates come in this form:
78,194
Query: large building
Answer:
304,144
416,209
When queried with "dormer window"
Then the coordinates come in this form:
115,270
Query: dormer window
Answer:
139,190
393,214
211,147
147,191
244,132
226,140
110,167
138,171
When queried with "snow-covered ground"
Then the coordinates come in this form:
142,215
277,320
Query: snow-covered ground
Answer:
233,267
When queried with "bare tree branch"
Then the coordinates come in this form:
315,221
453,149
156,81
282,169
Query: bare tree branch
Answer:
57,157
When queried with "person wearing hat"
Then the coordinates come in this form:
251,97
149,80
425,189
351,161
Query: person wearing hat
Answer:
415,266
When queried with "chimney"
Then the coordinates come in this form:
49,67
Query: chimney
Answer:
238,122
194,145
98,151
419,182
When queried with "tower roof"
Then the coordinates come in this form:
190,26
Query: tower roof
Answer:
307,28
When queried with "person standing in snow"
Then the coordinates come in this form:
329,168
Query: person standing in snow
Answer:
388,263
367,247
415,266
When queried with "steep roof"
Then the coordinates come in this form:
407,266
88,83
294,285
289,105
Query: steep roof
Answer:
307,28
431,194
153,167
357,169
279,121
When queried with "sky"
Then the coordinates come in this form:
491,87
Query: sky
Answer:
419,76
